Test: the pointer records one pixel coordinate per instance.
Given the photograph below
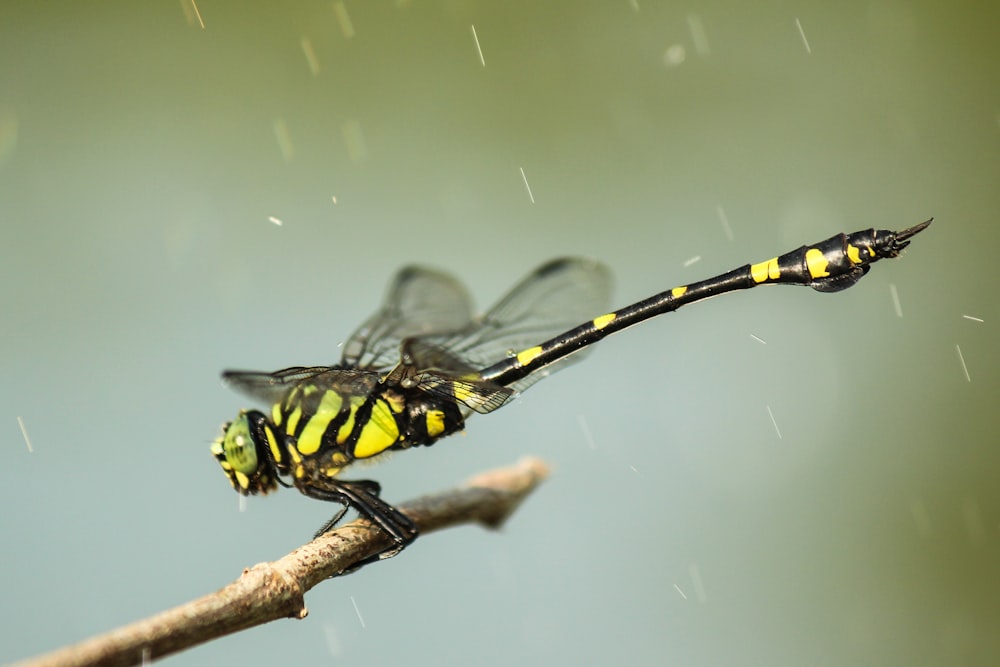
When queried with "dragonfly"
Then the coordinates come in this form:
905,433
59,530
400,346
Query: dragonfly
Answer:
414,371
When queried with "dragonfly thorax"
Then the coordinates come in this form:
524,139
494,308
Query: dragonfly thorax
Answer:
314,432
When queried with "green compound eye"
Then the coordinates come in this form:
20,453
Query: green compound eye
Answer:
239,447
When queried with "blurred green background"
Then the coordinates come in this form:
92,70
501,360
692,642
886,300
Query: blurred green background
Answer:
142,157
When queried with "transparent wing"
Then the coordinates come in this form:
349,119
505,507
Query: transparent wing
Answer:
419,302
439,372
481,396
426,322
272,387
553,298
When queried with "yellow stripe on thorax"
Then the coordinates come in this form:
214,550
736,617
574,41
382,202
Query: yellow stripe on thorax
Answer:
272,443
298,470
379,433
345,431
311,438
293,420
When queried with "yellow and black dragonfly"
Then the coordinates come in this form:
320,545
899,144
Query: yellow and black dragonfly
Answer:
415,370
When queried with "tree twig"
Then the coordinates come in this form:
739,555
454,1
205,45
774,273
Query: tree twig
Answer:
269,591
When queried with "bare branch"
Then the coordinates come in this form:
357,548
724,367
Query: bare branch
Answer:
269,591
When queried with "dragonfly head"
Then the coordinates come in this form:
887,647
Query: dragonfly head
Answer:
242,452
